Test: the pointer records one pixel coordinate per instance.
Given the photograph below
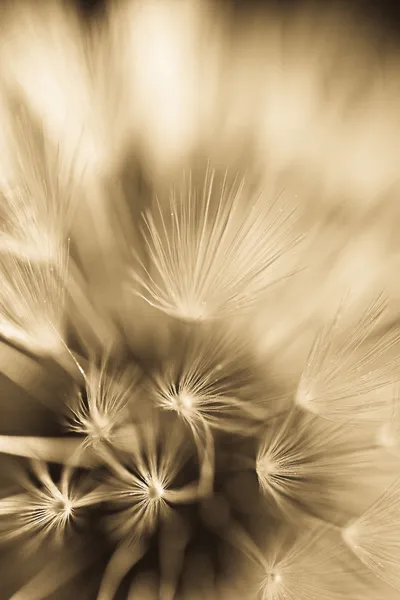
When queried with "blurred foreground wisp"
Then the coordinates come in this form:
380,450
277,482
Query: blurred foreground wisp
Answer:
199,308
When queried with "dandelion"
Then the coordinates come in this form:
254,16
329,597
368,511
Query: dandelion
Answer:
375,537
215,253
347,368
198,452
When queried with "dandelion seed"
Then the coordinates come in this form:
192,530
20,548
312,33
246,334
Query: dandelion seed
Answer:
214,379
140,485
346,368
44,510
304,569
102,412
32,305
375,536
141,491
210,256
212,385
38,202
307,464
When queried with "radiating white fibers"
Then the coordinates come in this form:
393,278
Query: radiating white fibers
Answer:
215,251
43,509
375,537
309,567
347,367
308,465
100,411
32,296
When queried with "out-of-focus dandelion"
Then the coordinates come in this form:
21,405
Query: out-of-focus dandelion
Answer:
215,253
374,536
41,52
160,59
347,367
